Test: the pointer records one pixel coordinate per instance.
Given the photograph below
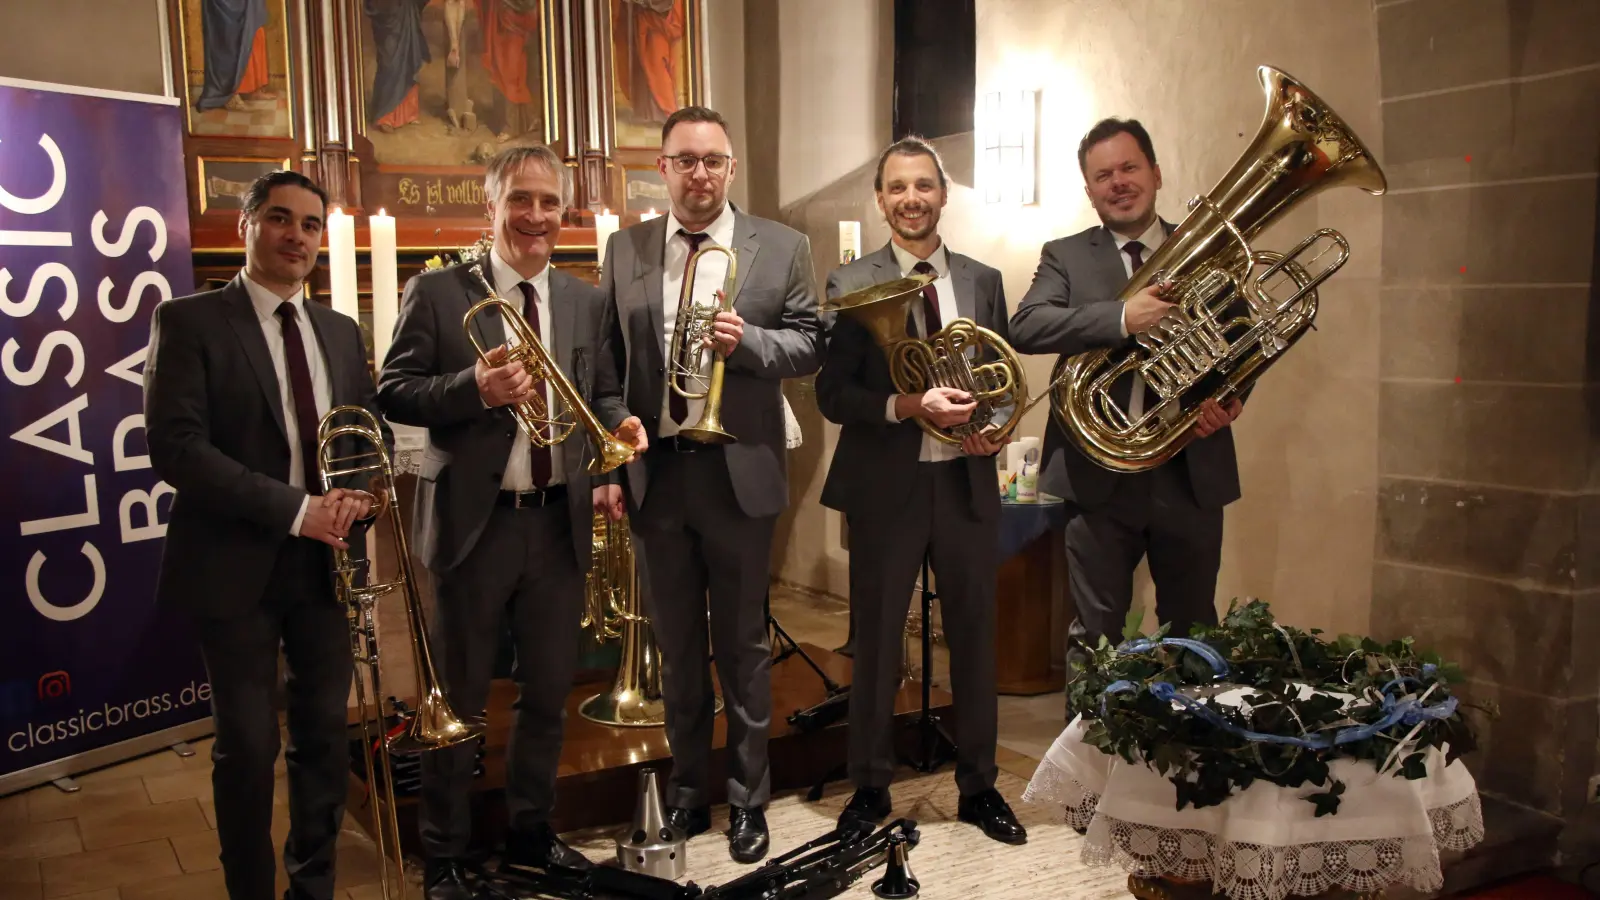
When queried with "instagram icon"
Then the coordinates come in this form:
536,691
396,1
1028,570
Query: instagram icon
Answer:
54,685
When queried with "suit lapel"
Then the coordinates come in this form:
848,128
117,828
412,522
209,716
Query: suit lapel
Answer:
746,246
563,320
1108,260
487,325
965,286
241,315
322,325
650,249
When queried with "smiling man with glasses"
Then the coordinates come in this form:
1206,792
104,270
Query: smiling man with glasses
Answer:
704,527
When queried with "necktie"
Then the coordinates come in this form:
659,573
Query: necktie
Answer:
538,457
679,407
1135,251
930,303
301,395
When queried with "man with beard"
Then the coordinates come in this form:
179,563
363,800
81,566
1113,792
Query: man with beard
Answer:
703,513
504,526
236,385
1172,512
909,496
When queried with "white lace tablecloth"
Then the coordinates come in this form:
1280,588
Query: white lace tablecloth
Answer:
1265,842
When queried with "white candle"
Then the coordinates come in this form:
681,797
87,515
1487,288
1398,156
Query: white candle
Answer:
646,216
385,284
342,262
849,242
605,225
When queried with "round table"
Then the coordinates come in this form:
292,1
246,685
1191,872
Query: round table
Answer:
1265,842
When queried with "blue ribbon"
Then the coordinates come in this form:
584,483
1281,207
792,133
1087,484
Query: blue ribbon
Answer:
1406,712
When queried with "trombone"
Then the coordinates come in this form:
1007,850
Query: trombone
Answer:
435,725
545,427
691,331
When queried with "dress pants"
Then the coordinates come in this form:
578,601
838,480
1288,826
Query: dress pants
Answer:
522,571
886,553
298,611
698,543
1154,513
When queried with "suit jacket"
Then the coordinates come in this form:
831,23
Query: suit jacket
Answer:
874,464
775,295
1071,308
214,420
428,380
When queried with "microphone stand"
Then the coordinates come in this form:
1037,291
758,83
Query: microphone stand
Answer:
937,746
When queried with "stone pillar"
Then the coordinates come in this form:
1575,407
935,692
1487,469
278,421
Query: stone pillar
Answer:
1488,526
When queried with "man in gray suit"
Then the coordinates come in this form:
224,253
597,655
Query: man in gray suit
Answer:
908,496
236,384
504,526
1172,513
703,514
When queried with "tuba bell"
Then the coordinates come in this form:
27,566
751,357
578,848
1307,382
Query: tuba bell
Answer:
614,610
695,370
953,357
434,725
1227,325
544,426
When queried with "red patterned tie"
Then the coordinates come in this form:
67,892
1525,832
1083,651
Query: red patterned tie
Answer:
301,395
930,303
678,406
538,457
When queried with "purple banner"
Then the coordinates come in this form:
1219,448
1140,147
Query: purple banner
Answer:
94,233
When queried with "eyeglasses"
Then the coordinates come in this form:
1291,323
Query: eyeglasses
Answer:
683,163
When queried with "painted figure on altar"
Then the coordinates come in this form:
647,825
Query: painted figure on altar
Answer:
451,80
237,67
650,66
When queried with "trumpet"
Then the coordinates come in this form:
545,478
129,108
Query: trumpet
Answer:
544,426
687,356
435,725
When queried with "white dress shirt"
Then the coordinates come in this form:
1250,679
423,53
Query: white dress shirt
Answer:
1153,237
266,304
932,450
508,284
709,275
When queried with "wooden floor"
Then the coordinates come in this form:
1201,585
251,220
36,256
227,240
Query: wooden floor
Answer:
597,782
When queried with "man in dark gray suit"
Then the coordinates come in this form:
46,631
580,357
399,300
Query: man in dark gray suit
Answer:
504,526
1172,513
703,514
236,384
908,496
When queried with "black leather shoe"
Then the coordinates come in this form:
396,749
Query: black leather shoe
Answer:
540,848
747,834
445,879
691,821
868,806
988,810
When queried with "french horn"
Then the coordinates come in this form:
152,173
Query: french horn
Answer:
1227,325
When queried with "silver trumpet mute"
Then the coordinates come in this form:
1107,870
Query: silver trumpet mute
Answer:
897,882
651,846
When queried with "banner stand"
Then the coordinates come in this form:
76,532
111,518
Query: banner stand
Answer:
60,772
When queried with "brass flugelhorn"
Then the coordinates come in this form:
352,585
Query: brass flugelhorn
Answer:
544,426
1227,326
689,375
434,725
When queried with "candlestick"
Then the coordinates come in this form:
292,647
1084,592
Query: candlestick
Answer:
605,225
385,284
342,262
849,242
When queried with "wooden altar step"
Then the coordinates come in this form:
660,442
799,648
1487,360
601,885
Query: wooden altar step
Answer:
598,780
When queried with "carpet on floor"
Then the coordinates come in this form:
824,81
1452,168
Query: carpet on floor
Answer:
952,860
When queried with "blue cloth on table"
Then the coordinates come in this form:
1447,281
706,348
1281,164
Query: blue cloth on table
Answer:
1022,523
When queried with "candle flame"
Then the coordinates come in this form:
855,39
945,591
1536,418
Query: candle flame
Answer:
380,211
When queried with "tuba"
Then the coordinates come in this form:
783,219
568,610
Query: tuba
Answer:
435,725
544,426
613,610
689,374
952,357
1230,321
